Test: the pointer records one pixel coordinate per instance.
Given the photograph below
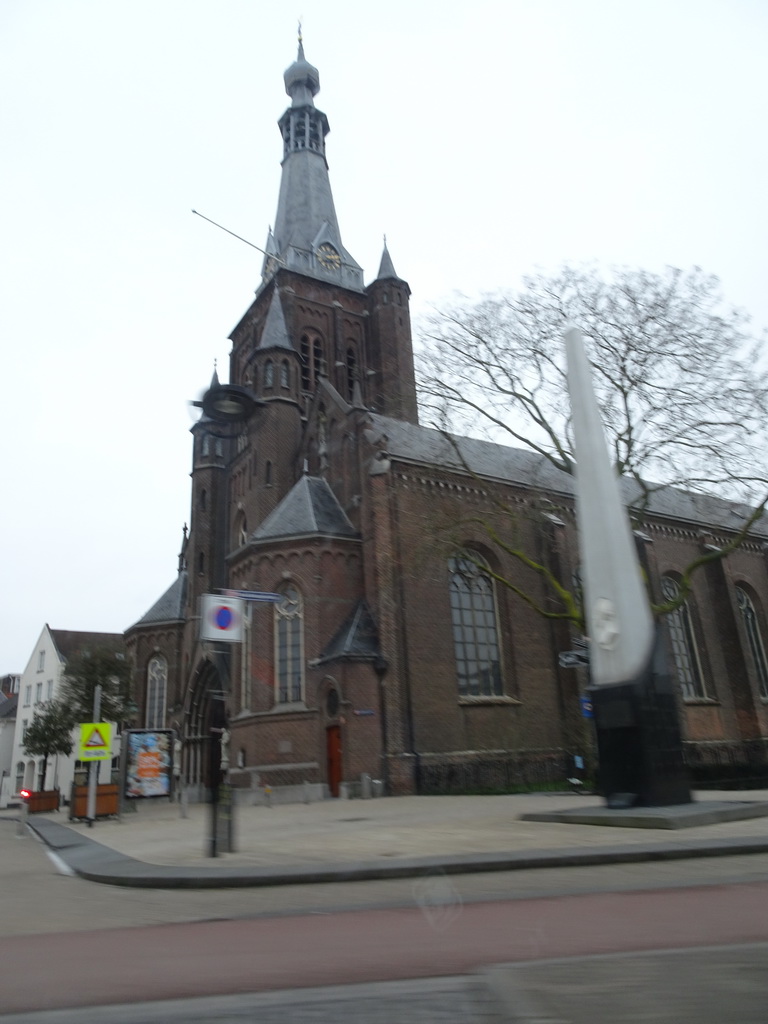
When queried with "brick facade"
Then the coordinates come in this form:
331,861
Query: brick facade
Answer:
331,367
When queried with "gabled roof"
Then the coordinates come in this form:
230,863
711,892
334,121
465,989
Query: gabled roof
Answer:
71,641
358,638
425,446
170,607
310,507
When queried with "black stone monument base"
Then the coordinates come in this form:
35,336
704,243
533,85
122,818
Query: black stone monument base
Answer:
639,746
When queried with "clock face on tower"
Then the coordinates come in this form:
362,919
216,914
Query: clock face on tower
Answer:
328,257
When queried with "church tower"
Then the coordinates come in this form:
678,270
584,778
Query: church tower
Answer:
276,498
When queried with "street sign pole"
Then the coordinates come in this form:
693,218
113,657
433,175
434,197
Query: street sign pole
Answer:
93,776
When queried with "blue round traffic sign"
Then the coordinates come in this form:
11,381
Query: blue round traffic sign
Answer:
223,617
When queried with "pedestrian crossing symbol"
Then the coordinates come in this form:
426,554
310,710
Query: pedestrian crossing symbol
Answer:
95,741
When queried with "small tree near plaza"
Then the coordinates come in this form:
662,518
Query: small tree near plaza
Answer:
102,666
49,733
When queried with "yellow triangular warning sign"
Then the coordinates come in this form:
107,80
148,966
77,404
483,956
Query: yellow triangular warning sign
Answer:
95,740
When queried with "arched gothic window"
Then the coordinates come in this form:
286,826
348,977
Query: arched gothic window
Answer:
311,361
241,530
269,374
351,372
685,652
285,374
754,636
157,692
289,647
475,629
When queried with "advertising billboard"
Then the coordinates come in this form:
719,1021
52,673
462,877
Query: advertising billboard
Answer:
149,763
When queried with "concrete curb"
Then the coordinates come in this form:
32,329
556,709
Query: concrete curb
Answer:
98,863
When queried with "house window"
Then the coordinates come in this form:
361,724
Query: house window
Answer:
19,775
27,695
475,629
685,653
754,636
289,647
41,661
49,690
157,687
24,727
38,692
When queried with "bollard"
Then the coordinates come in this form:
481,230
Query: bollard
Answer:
21,828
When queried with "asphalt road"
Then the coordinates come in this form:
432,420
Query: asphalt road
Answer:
71,943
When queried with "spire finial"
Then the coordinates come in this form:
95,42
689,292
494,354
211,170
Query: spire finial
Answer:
301,42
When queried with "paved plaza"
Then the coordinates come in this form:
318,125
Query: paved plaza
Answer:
163,843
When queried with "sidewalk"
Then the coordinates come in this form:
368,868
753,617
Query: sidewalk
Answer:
389,837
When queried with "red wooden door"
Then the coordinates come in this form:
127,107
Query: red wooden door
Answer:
333,747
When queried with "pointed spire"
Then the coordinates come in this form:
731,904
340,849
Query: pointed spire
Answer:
306,237
386,267
275,333
215,377
183,551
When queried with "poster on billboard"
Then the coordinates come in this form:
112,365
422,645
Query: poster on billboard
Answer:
149,763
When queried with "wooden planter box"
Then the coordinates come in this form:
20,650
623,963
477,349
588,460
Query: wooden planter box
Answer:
107,801
46,800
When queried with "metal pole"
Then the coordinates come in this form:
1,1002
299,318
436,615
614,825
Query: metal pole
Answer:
93,775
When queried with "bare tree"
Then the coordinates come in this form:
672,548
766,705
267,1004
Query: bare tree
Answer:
681,382
677,375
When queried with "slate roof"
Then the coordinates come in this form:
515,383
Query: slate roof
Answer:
425,446
358,638
386,267
72,641
170,607
310,507
275,333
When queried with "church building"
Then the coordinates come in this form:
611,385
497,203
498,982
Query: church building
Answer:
381,649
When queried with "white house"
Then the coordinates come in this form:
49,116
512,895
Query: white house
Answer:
41,682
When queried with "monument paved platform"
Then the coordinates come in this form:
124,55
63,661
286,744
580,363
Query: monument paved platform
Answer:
391,837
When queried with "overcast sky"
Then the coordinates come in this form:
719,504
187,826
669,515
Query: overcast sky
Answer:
485,139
